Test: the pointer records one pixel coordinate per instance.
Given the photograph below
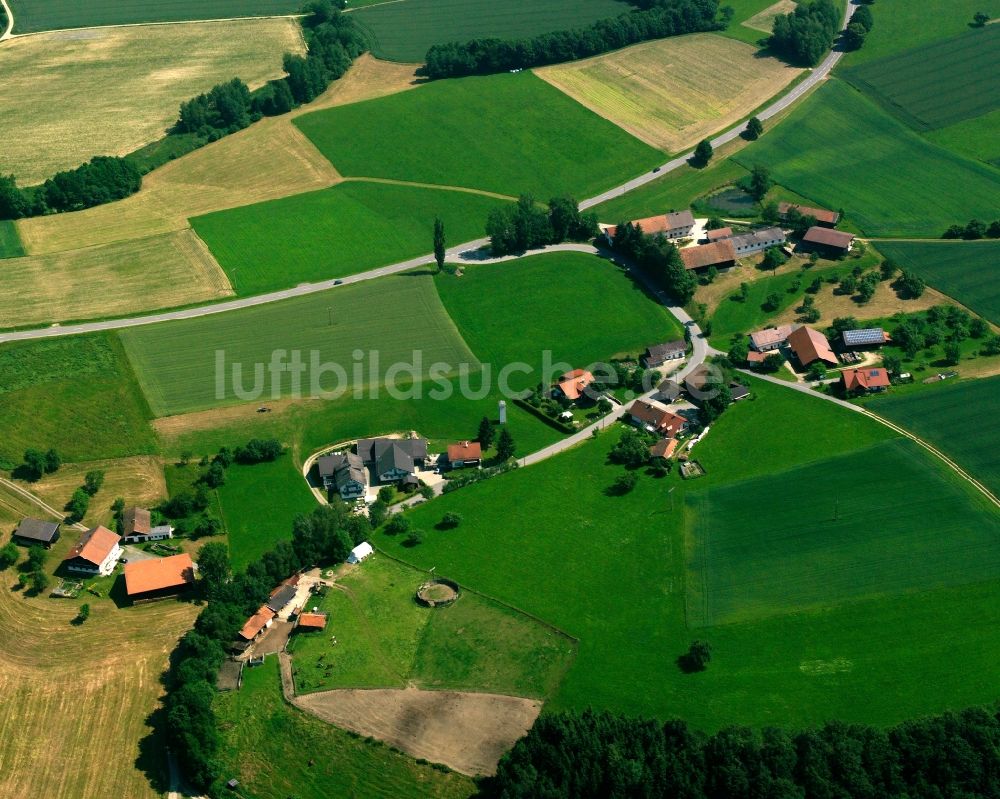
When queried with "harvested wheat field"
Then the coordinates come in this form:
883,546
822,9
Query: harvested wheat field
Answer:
77,698
111,280
764,20
673,92
228,173
70,95
468,732
139,481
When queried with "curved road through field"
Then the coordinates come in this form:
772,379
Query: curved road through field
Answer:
817,75
10,22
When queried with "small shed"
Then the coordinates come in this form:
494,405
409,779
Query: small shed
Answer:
360,552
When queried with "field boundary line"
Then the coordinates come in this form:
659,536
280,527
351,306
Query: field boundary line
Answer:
37,501
437,186
9,33
142,24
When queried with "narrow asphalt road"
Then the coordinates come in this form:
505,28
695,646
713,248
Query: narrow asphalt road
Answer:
818,74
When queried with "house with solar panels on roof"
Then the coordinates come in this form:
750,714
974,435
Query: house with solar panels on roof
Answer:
865,339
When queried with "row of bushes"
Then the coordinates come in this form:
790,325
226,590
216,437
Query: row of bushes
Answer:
513,229
655,19
658,258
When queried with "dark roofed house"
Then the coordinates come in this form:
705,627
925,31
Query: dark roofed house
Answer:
720,254
757,241
824,240
393,459
344,473
137,526
738,391
864,380
869,337
34,531
280,597
821,215
659,354
810,345
668,390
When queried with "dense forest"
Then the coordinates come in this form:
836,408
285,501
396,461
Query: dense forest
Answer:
597,754
653,19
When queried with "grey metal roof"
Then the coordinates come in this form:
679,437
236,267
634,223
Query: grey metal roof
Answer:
281,597
870,335
37,530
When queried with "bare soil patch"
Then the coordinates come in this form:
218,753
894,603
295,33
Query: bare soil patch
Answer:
468,732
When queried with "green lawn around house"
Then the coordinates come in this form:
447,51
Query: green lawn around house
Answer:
510,134
896,184
335,232
277,751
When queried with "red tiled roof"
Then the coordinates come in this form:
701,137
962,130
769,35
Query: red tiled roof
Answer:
137,521
94,546
142,576
660,419
819,214
758,357
663,448
313,621
865,377
810,345
720,233
256,623
828,238
573,384
465,451
718,252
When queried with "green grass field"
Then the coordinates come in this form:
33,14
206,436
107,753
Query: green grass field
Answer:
335,232
580,307
962,420
269,745
977,138
404,31
509,134
77,394
392,318
386,640
897,183
259,504
41,15
836,531
902,25
936,85
967,271
10,242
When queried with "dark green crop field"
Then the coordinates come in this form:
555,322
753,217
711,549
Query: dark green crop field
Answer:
43,15
404,31
839,530
841,150
962,420
509,134
938,85
969,271
10,242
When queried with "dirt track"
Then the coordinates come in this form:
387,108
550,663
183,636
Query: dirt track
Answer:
468,732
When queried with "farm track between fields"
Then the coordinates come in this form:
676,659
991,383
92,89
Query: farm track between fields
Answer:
10,22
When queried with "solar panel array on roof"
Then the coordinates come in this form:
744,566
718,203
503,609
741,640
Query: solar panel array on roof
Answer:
857,338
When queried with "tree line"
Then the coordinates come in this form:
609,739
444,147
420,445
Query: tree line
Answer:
599,754
804,35
653,19
658,258
333,41
527,226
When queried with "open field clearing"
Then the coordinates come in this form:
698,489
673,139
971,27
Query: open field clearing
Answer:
969,271
506,312
134,80
901,25
77,394
336,232
258,505
224,174
65,700
976,138
404,31
41,15
911,187
673,92
138,480
759,13
763,21
384,639
176,361
110,280
962,420
939,84
270,744
10,242
818,536
509,134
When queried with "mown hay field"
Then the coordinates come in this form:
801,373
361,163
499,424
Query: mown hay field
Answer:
839,149
968,271
110,280
673,92
74,694
41,15
514,312
340,231
68,96
509,134
836,531
939,84
405,30
962,420
77,394
176,361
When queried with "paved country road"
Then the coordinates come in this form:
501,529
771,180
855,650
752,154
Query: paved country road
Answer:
10,22
817,75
